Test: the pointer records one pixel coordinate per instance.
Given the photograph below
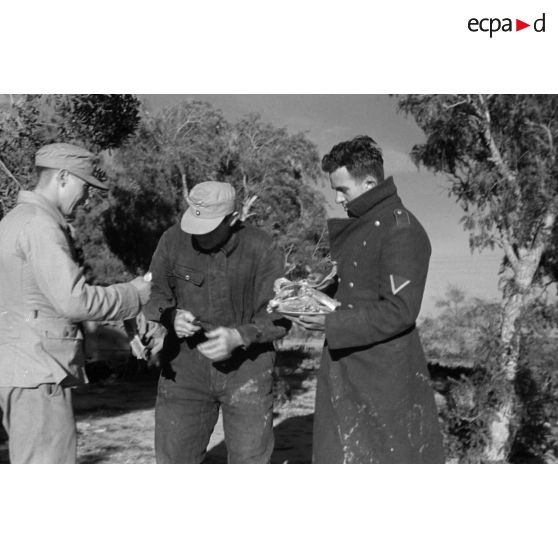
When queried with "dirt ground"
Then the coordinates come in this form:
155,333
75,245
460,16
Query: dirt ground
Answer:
115,416
116,423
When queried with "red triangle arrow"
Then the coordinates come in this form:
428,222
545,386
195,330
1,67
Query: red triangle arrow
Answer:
519,25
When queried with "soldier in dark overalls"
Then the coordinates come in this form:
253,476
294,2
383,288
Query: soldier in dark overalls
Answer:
212,281
374,401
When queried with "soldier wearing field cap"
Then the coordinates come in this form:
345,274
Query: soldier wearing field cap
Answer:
43,299
212,279
374,400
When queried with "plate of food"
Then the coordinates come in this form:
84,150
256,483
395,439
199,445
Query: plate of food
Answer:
298,298
294,314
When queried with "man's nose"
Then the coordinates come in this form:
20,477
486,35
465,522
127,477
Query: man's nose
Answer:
339,198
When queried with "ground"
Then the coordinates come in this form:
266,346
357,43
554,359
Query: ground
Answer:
115,412
115,425
115,416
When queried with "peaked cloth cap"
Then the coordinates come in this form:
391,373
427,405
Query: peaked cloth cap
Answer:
72,158
208,204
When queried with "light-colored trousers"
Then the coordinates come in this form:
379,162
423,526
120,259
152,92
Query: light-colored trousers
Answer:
40,424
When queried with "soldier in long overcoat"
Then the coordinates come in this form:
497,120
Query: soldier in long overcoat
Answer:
374,401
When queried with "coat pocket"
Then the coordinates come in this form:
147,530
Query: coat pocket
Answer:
189,290
191,276
63,342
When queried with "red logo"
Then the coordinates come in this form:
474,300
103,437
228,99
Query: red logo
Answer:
492,25
519,25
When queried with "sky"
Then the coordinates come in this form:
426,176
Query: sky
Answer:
329,119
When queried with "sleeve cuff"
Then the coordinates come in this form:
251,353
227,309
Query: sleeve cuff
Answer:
166,318
347,328
131,304
249,333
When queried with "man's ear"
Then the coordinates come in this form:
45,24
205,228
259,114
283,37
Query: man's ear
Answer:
370,182
62,177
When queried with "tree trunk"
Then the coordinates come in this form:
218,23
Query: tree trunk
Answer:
504,424
502,428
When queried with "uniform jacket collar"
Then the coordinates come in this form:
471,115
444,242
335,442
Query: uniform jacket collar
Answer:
27,196
369,200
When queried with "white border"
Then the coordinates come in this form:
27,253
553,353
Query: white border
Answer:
293,46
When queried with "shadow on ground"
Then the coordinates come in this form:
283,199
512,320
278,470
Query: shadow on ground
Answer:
293,443
113,399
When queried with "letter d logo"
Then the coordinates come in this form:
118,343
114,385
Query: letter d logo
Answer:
539,25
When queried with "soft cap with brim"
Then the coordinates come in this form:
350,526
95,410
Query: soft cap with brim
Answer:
208,204
72,158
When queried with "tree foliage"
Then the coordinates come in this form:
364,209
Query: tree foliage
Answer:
170,152
96,122
500,153
463,347
455,335
282,170
152,160
192,142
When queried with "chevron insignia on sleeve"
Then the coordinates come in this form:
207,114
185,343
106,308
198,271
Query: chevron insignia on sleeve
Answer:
398,283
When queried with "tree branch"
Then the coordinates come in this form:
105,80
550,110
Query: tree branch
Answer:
510,252
7,171
245,185
246,206
324,228
496,156
545,230
463,102
288,266
550,138
181,127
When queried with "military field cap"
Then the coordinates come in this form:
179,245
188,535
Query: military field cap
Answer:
208,204
69,157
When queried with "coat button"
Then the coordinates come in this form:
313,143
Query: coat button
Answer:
351,284
350,306
187,278
377,223
355,263
364,242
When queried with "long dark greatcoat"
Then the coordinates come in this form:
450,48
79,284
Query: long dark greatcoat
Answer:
374,401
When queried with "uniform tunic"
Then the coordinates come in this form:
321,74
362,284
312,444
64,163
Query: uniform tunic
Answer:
374,401
44,297
230,288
